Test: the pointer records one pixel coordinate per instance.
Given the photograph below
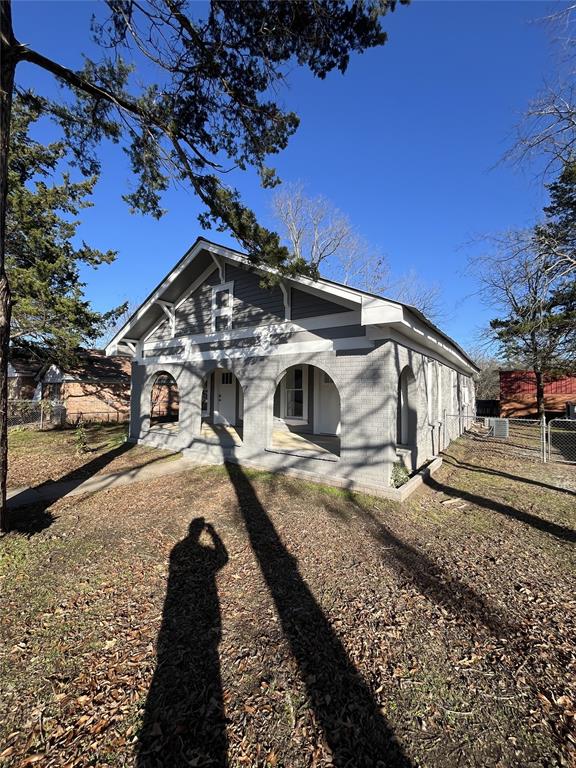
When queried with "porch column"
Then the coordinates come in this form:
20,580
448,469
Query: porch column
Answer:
189,381
139,414
367,402
258,413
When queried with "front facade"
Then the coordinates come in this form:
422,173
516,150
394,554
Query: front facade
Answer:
294,375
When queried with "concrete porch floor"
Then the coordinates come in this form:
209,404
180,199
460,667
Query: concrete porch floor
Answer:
321,446
164,426
222,434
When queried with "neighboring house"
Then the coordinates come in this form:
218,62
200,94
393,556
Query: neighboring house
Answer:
22,378
518,394
96,388
305,375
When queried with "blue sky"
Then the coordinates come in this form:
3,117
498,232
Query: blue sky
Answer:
407,143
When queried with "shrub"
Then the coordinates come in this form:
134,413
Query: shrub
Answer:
81,439
400,474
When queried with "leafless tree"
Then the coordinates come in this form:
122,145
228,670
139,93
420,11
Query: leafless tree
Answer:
321,235
536,324
487,379
411,289
130,306
548,128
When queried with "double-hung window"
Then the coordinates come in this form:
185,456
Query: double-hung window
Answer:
222,307
295,393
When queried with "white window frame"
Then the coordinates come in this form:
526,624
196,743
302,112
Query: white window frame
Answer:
439,377
455,393
223,311
430,389
284,397
465,394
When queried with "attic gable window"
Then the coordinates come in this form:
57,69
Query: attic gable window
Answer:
222,307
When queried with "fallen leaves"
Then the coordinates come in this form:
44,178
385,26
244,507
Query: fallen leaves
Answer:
83,614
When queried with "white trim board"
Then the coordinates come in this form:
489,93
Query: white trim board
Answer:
424,345
258,350
337,320
156,294
373,309
349,295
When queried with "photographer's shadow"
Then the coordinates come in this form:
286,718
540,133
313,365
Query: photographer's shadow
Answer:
184,722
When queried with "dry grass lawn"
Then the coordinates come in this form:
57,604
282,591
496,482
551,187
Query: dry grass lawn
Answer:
40,457
229,618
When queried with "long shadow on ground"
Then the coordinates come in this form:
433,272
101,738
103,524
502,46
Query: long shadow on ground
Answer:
546,526
184,721
434,582
354,728
430,578
506,475
30,518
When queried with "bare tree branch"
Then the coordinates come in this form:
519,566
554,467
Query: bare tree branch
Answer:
322,236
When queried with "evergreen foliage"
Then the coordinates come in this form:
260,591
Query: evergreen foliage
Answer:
189,97
50,315
208,106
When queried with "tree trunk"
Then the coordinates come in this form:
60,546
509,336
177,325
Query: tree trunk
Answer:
8,60
539,392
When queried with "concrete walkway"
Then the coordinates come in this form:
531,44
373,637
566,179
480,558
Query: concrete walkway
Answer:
48,492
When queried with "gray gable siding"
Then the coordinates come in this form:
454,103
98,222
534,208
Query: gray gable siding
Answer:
195,315
253,304
162,332
307,305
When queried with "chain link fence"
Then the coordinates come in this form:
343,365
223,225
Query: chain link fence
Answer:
524,438
562,440
454,425
48,414
35,414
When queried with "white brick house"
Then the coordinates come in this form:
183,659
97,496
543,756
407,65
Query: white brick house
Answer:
305,375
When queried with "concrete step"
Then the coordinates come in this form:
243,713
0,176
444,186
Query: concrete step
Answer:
205,453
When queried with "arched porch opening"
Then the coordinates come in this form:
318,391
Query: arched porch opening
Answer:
222,407
407,417
307,413
164,400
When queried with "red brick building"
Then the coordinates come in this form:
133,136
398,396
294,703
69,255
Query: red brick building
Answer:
518,394
97,388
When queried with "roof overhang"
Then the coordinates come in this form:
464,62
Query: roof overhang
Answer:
376,312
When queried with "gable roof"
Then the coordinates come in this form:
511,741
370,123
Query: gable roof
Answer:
25,367
92,365
375,309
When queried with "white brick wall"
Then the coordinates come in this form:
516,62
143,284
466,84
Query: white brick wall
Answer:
368,387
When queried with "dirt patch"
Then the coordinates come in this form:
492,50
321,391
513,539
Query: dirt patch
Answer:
40,457
294,625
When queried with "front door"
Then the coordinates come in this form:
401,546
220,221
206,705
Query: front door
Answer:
327,405
225,391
